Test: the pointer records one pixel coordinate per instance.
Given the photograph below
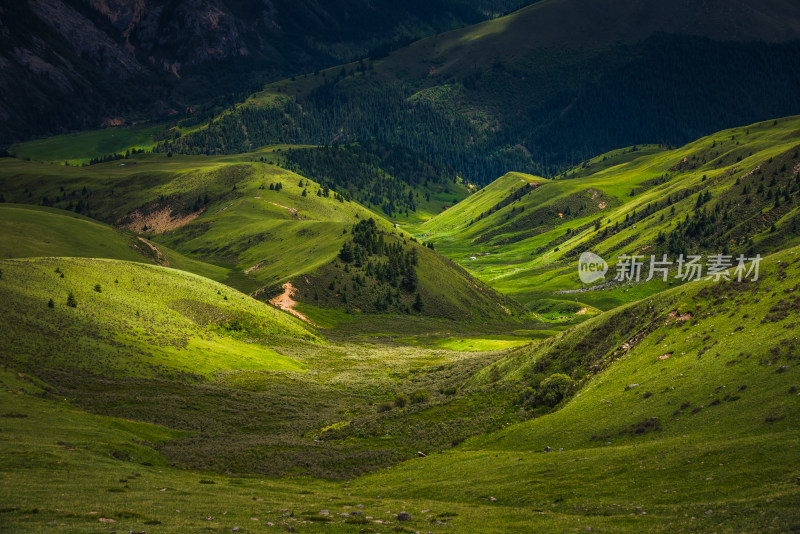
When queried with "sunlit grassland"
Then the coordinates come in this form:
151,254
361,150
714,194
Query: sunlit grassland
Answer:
722,388
164,321
36,231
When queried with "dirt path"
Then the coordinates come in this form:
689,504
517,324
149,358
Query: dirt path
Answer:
293,211
160,259
285,302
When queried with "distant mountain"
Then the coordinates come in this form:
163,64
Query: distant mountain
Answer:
79,63
545,87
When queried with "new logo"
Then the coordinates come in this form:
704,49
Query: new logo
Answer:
591,267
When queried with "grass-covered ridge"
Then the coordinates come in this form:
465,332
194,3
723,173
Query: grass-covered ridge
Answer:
166,323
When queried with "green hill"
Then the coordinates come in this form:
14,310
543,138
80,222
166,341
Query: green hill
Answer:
526,239
36,231
31,231
167,322
238,220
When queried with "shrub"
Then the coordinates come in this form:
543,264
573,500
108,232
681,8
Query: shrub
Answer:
384,407
72,302
420,396
554,389
401,400
98,288
51,304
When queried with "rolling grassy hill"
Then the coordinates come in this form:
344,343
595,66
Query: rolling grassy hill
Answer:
36,231
686,420
165,322
238,220
241,386
526,233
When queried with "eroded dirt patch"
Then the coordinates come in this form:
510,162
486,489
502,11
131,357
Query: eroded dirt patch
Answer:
285,302
158,221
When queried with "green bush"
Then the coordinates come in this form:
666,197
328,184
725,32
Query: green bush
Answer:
554,389
549,392
401,400
72,302
420,396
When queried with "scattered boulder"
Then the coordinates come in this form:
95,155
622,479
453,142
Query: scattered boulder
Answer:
235,529
404,516
422,454
324,512
548,449
492,499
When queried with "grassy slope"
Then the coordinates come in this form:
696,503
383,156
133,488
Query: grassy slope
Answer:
30,231
721,459
100,467
36,231
166,323
531,255
248,388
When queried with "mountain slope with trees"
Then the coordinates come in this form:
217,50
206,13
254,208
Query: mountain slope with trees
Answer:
540,89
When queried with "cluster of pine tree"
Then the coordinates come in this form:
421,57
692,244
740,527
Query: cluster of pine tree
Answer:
387,263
